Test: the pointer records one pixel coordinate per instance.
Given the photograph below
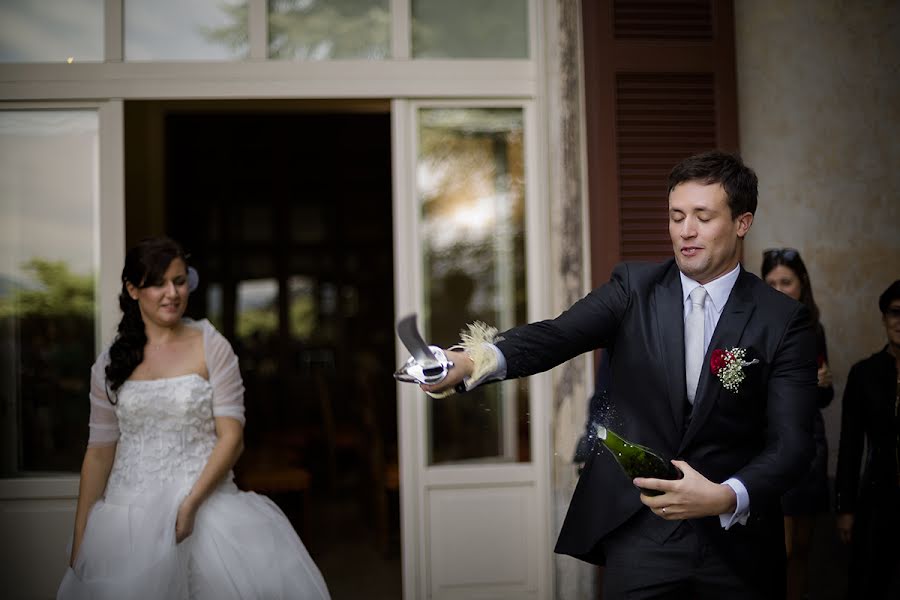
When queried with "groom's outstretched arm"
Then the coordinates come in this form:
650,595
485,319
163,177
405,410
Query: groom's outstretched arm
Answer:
588,324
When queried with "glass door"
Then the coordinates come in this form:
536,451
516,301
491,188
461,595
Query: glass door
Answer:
56,199
470,184
467,230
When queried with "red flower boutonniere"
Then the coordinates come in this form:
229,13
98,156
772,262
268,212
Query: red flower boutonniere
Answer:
728,366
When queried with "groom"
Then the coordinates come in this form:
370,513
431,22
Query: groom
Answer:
717,532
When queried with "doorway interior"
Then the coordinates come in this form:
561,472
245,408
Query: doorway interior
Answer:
286,211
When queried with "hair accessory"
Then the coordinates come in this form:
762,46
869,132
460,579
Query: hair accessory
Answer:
193,279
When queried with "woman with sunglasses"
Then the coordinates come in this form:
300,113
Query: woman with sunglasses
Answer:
783,269
867,499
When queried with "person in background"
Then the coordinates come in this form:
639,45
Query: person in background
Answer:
869,514
784,270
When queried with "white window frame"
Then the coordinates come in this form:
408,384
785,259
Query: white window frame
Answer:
30,506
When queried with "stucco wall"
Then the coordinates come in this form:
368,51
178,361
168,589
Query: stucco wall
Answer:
819,100
566,191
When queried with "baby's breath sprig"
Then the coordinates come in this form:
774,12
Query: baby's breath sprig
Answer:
728,366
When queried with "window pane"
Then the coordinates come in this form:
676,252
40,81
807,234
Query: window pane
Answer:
323,29
195,30
471,185
470,29
51,30
257,308
302,308
48,199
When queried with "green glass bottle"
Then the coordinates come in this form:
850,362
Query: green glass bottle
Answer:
637,460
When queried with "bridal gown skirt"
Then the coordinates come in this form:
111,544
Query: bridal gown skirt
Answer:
242,546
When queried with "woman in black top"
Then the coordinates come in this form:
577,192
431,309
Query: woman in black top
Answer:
783,269
869,513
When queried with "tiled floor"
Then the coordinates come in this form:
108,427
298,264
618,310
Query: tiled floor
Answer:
343,545
828,562
341,540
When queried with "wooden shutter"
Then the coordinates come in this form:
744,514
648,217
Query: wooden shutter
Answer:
660,85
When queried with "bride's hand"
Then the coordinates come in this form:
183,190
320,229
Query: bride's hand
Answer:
184,523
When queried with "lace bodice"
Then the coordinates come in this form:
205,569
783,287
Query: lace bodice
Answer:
166,433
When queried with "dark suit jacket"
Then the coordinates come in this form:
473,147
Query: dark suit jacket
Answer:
761,434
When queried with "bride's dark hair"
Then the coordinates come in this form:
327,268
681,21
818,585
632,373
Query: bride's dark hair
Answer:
145,265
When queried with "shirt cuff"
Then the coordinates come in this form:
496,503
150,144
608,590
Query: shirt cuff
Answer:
742,511
497,374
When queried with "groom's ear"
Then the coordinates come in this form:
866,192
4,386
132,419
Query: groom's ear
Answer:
744,222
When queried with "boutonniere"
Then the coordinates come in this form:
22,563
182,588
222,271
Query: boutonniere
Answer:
728,366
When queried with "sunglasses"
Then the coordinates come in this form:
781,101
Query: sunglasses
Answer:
785,253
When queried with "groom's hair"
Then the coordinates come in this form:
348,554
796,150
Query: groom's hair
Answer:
738,180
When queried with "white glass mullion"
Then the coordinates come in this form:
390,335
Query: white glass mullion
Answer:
540,386
535,24
258,25
407,299
113,31
110,214
271,79
401,24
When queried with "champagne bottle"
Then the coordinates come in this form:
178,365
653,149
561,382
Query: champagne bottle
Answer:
637,460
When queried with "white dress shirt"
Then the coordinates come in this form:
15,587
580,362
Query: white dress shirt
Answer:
718,291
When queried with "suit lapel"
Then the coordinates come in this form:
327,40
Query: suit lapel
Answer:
668,306
737,312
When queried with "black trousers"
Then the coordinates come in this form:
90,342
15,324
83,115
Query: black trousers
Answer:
680,565
875,546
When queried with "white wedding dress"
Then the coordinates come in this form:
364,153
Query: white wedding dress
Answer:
242,545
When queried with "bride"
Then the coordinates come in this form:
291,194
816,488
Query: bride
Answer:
158,514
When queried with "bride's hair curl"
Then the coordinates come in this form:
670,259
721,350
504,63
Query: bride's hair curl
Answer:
145,265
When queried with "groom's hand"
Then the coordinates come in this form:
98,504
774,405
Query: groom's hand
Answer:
462,368
690,497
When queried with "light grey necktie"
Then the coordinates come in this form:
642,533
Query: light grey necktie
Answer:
694,346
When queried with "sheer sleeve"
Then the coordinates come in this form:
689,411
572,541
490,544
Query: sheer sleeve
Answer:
224,375
103,423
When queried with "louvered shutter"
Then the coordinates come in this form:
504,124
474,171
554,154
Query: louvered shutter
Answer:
660,86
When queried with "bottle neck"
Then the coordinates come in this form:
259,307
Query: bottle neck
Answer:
610,438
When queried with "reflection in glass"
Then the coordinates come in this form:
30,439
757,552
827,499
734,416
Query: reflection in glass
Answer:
325,29
177,30
470,179
48,199
214,305
257,308
470,29
51,31
302,308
